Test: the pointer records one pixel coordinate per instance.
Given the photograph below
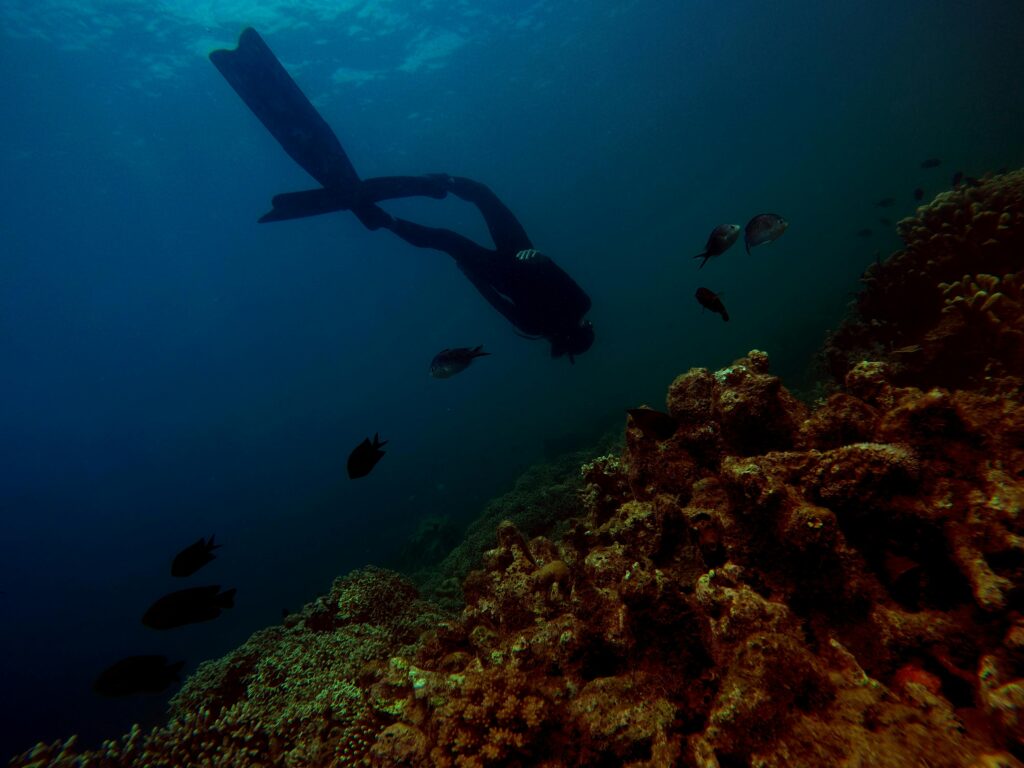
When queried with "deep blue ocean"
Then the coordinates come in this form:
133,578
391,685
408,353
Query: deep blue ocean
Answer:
171,369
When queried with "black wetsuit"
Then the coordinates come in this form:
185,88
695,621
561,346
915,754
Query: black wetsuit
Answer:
527,287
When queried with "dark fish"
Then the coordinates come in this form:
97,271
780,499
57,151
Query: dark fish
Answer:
137,674
885,202
365,456
972,181
448,362
653,423
931,162
193,557
719,241
957,178
918,193
710,300
884,221
763,228
188,606
865,232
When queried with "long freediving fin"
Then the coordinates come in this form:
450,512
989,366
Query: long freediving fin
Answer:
269,91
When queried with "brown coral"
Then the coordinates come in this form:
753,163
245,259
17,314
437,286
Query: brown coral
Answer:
940,310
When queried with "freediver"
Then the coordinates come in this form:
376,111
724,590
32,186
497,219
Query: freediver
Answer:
524,285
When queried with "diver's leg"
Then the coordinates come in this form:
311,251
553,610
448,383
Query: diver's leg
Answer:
460,248
359,195
269,91
506,231
393,187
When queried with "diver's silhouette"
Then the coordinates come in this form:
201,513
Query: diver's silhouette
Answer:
528,288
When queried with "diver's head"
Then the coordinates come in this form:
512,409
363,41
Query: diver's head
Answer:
573,342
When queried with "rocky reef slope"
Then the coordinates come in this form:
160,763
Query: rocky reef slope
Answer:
750,582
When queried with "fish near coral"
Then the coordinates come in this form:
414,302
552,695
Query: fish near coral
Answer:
448,362
719,241
653,423
188,606
931,162
193,557
364,457
763,228
866,232
919,194
137,674
886,202
710,300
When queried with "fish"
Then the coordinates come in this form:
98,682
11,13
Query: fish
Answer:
193,557
364,457
448,362
710,300
931,162
720,240
957,178
188,606
864,232
918,193
763,228
137,674
884,221
886,202
652,423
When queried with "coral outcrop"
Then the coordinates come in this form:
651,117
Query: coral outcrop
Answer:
750,581
290,696
946,310
767,586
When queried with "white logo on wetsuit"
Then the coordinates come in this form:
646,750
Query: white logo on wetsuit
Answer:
528,254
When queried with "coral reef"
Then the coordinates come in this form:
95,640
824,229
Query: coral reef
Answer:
290,696
765,587
542,499
946,310
749,581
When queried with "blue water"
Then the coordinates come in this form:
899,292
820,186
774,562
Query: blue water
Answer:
171,369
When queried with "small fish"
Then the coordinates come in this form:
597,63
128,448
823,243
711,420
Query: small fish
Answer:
364,457
918,193
720,240
137,674
884,221
885,202
865,232
188,606
763,228
653,423
193,557
448,362
931,162
957,178
710,300
972,181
